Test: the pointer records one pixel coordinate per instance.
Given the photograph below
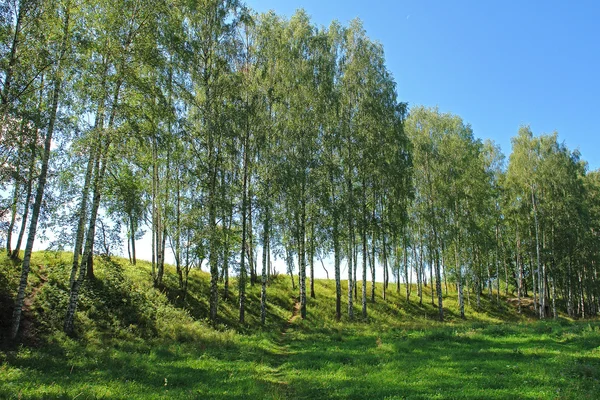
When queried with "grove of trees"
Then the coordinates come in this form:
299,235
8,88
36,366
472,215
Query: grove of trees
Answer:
225,134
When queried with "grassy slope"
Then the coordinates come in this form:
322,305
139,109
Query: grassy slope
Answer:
136,342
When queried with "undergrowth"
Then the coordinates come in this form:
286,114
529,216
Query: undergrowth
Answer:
137,341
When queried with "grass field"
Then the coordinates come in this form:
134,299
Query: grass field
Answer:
138,343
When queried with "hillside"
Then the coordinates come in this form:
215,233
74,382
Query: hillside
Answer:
137,342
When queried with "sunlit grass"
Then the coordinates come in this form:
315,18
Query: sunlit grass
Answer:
137,342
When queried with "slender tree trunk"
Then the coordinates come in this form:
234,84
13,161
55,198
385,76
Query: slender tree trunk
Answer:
582,295
554,314
438,282
519,266
570,308
290,266
406,272
242,277
99,169
468,290
39,197
373,269
336,266
225,269
385,267
420,273
489,280
497,262
534,286
155,239
249,233
311,257
364,258
153,245
350,210
162,225
355,254
133,231
93,159
459,284
26,206
396,274
269,267
477,279
350,269
265,256
505,270
103,154
416,268
177,249
14,207
129,247
302,252
83,210
431,268
99,179
537,248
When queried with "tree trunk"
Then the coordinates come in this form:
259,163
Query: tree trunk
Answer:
519,266
26,204
14,207
554,314
39,197
416,268
249,233
364,253
421,270
459,284
133,231
373,241
302,252
355,254
497,262
489,280
311,257
350,267
99,169
226,231
438,281
290,266
92,160
385,267
265,256
242,277
177,239
98,188
162,223
537,248
98,182
336,266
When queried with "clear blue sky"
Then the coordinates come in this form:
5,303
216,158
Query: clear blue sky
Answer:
497,64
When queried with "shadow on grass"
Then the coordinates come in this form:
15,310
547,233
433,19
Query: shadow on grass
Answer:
444,362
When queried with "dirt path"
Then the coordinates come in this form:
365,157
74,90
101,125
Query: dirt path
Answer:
27,328
278,376
295,315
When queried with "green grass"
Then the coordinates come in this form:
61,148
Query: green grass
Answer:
135,342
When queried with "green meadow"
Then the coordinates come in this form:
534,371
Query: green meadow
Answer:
136,342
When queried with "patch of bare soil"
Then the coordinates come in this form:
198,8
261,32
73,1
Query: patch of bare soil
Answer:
28,327
295,315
